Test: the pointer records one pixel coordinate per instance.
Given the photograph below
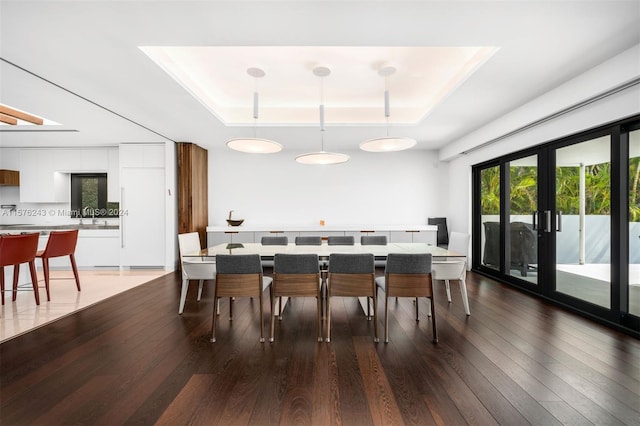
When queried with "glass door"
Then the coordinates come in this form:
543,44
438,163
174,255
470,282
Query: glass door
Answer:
581,221
634,223
521,240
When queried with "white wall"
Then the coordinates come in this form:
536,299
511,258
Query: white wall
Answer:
394,188
620,105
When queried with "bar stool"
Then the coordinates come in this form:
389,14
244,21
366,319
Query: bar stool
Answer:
60,243
14,251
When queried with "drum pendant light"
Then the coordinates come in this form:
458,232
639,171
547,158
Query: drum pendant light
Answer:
322,157
255,145
387,143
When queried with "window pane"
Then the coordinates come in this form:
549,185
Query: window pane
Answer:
523,202
634,222
490,212
583,241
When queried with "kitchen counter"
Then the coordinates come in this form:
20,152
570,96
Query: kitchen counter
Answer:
43,229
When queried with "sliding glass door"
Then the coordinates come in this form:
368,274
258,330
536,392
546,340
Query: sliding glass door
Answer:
562,220
583,220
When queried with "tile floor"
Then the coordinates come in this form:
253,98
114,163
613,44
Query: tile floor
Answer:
24,315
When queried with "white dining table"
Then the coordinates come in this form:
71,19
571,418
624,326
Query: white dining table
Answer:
325,250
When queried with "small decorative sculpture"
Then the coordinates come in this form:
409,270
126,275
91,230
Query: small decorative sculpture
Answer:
234,222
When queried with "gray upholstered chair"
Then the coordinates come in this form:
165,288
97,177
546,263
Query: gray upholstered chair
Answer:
273,241
308,241
239,275
375,240
407,275
352,275
339,240
295,275
193,268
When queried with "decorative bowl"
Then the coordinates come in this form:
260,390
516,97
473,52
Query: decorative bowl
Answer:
235,222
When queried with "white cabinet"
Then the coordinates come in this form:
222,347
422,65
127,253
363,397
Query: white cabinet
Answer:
413,236
78,160
113,176
142,225
94,248
39,182
214,238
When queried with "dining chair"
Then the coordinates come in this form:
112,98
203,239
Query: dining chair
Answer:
272,241
341,240
60,243
14,251
239,275
295,275
407,275
455,269
375,240
352,275
193,268
308,241
442,235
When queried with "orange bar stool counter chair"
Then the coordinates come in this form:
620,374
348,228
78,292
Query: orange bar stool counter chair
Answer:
60,243
14,251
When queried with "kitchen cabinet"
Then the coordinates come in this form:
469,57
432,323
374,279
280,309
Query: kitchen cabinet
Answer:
78,160
9,178
95,248
40,183
113,176
142,200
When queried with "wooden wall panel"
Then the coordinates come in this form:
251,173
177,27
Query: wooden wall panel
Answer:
193,190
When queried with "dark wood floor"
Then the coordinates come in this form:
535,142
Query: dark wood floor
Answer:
132,360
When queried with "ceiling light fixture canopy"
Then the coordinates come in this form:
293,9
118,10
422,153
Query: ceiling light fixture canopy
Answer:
255,145
322,157
387,143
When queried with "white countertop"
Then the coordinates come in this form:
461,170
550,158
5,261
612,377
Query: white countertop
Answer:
318,228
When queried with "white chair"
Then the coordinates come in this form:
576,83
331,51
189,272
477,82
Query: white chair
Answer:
193,268
454,269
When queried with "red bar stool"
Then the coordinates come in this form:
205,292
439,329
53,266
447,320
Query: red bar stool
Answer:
14,251
60,243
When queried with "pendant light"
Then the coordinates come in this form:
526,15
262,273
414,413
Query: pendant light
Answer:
255,145
388,143
322,157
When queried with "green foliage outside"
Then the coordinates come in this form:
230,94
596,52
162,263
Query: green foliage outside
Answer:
524,190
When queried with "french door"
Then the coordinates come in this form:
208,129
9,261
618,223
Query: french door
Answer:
561,220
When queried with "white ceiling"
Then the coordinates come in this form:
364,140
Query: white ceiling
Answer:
80,64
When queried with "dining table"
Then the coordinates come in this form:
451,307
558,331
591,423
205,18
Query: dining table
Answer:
380,252
267,252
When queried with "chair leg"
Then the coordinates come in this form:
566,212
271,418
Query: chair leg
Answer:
386,319
200,285
428,309
261,317
465,299
273,317
183,295
34,281
231,308
417,317
75,270
2,282
213,321
368,309
433,319
47,276
375,317
448,288
328,338
319,315
16,275
280,308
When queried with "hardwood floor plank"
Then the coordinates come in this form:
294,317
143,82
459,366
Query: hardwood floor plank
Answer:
382,403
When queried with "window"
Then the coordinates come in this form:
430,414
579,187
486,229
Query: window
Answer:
89,196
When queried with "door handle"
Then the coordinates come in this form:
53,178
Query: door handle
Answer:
535,219
547,221
559,222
